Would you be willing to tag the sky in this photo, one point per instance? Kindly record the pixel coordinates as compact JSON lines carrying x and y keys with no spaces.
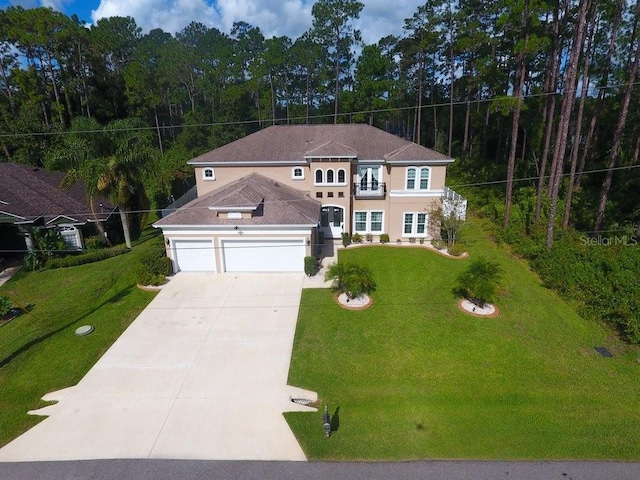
{"x":378,"y":18}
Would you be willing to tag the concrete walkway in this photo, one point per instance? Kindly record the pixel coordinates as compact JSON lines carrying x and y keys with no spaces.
{"x":200,"y":374}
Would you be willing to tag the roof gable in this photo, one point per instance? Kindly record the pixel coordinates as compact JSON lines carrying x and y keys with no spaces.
{"x":279,"y":205}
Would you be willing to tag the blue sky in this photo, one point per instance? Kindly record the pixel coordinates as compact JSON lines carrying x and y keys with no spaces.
{"x":274,"y":17}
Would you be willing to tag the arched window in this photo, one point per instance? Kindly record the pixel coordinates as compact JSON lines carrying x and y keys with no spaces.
{"x":330,"y":176}
{"x":342,"y":176}
{"x":208,"y":174}
{"x":424,"y":178}
{"x":411,"y":178}
{"x":319,"y":176}
{"x":297,"y":173}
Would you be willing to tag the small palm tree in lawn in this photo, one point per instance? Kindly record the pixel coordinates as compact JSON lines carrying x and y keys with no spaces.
{"x":479,"y":282}
{"x":350,"y":279}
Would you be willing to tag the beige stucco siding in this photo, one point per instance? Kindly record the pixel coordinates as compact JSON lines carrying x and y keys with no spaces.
{"x":227,"y":174}
{"x":397,"y":176}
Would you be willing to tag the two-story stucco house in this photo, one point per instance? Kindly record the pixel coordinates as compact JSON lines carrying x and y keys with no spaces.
{"x":265,"y":201}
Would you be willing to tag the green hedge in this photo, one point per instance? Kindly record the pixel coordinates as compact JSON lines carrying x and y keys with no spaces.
{"x":89,"y":257}
{"x":154,"y":267}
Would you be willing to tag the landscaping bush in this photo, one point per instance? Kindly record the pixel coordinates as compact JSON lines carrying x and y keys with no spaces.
{"x":83,"y":258}
{"x":457,"y":249}
{"x":310,"y":266}
{"x":356,"y":238}
{"x":369,"y":237}
{"x":96,"y":242}
{"x":5,"y":306}
{"x":384,"y":238}
{"x":351,"y":279}
{"x":479,"y":282}
{"x":154,"y":267}
{"x":346,"y":239}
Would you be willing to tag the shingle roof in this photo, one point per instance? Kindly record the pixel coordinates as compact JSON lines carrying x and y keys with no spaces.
{"x":279,"y":205}
{"x":28,"y":193}
{"x":292,"y":143}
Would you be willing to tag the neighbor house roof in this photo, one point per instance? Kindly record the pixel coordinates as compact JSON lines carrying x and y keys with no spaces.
{"x":273,"y":203}
{"x":296,"y":143}
{"x":30,"y":193}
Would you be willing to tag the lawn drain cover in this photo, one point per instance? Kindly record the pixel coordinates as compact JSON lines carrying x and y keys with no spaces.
{"x":84,"y":330}
{"x":604,"y":352}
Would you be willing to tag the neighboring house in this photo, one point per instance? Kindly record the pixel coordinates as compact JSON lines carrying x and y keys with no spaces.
{"x":265,"y":200}
{"x":32,"y":197}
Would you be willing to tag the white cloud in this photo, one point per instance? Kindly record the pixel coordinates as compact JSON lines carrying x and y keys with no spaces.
{"x":378,"y":18}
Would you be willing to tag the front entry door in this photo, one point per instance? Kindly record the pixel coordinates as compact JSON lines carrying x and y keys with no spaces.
{"x":332,"y":221}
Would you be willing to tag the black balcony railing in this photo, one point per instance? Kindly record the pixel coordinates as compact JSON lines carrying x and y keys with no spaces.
{"x":369,"y":190}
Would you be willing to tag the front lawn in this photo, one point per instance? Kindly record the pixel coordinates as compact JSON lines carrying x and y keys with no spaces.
{"x":413,"y":377}
{"x":39,"y":351}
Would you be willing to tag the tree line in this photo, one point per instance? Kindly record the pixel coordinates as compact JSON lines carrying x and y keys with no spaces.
{"x":535,"y":95}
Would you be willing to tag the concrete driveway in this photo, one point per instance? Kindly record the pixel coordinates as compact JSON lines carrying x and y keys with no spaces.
{"x":200,"y":374}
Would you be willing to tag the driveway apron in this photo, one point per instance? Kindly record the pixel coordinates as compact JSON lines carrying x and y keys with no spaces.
{"x":200,"y":374}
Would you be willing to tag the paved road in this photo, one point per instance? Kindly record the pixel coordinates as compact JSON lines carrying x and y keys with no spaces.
{"x":425,"y":470}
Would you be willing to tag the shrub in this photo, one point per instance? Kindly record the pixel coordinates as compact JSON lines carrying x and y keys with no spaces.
{"x":96,"y":242}
{"x":356,"y":238}
{"x":479,"y":282}
{"x":351,"y":279}
{"x":384,"y":238}
{"x":89,"y":257}
{"x":33,"y":262}
{"x":154,"y":267}
{"x":310,"y":265}
{"x":457,"y":250}
{"x":421,"y":240}
{"x":5,"y":306}
{"x":412,"y":239}
{"x":346,"y":239}
{"x":369,"y":237}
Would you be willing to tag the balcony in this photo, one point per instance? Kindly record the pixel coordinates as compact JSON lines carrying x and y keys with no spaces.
{"x":370,"y":190}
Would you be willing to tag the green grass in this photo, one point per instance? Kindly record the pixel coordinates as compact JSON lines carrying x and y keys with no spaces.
{"x":39,"y":352}
{"x":413,"y":377}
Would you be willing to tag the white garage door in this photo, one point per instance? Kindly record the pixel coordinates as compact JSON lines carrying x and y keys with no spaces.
{"x":194,"y":255}
{"x":263,"y":255}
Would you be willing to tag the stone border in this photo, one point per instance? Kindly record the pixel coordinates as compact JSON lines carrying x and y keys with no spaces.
{"x":495,"y":312}
{"x":336,"y":298}
{"x":150,"y":288}
{"x":404,"y":245}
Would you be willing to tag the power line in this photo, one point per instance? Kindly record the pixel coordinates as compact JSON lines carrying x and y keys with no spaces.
{"x":304,"y":118}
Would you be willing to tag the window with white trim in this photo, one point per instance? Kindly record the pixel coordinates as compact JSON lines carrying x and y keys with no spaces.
{"x":368,"y":222}
{"x":418,"y":178}
{"x":415,"y":224}
{"x":208,"y":174}
{"x":297,"y":173}
{"x":330,"y":177}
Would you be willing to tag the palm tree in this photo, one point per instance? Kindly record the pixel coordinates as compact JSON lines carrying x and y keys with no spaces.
{"x":479,"y":282}
{"x":124,"y":166}
{"x":350,"y":279}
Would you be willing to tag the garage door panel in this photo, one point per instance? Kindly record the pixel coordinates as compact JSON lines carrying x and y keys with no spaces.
{"x":263,"y":255}
{"x":194,"y":255}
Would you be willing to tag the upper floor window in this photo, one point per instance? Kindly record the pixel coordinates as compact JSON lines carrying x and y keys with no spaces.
{"x":208,"y":174}
{"x":330,"y":177}
{"x":418,"y":178}
{"x":297,"y":173}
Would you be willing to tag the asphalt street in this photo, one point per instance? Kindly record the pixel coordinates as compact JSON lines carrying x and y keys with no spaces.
{"x":248,"y":470}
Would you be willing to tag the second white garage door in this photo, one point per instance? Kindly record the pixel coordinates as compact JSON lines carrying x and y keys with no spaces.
{"x":263,"y":255}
